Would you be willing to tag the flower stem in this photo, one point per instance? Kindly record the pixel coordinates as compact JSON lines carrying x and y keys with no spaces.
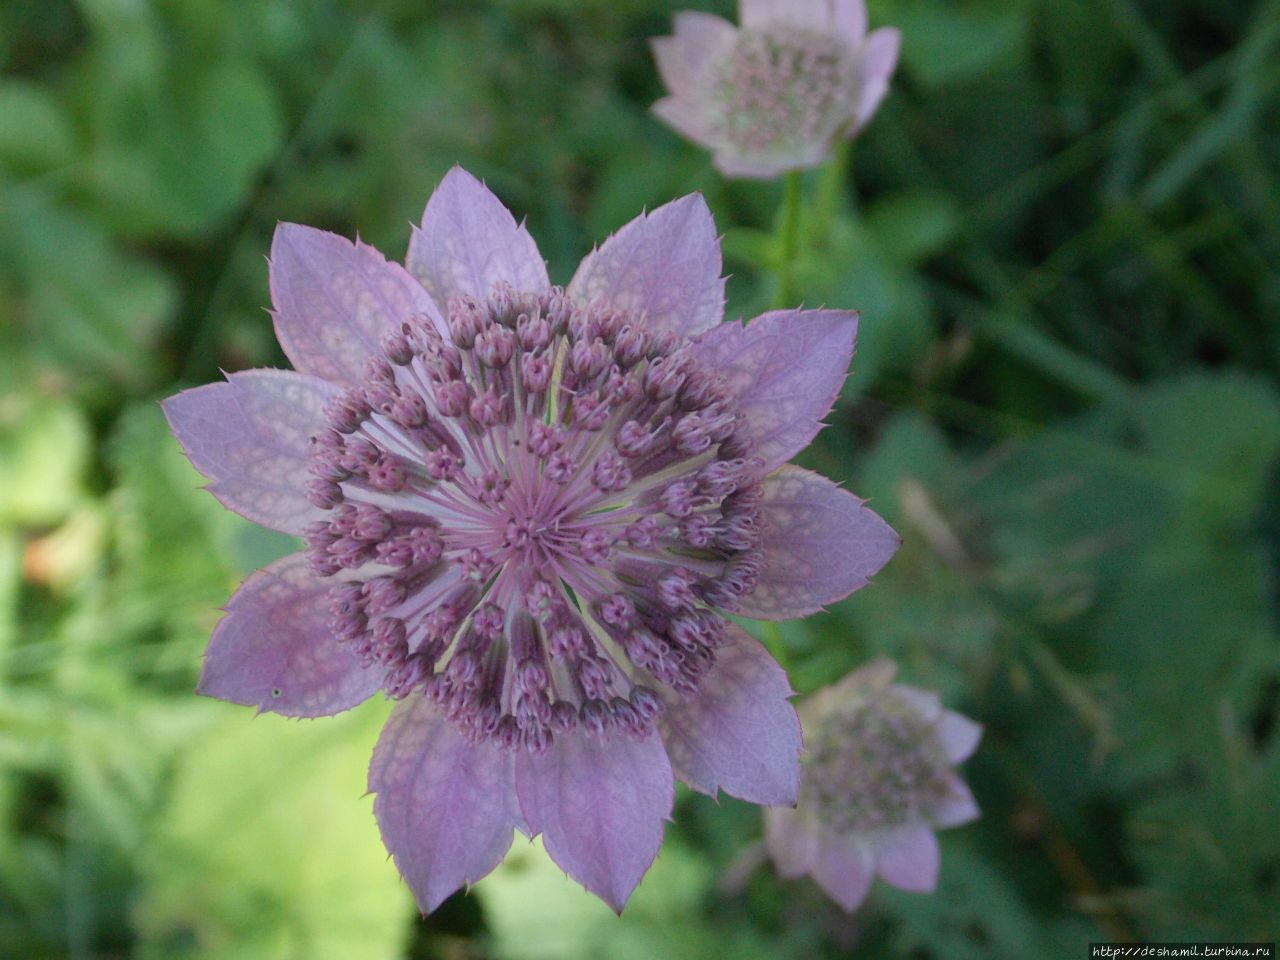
{"x":788,"y":241}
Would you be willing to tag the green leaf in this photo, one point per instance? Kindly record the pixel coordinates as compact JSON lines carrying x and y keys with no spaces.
{"x":35,"y":133}
{"x":84,"y":305}
{"x":975,"y":914}
{"x":943,"y":44}
{"x":537,"y":913}
{"x":44,"y":449}
{"x":267,"y":849}
{"x":1218,"y":436}
{"x":187,"y":153}
{"x":175,"y":541}
{"x":913,"y":225}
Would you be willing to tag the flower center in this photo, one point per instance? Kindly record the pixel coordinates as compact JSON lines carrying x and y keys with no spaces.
{"x":783,"y":88}
{"x":532,"y":513}
{"x":876,"y":766}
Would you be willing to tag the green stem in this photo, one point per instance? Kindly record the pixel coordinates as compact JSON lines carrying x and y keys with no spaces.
{"x":831,"y":195}
{"x":788,"y":241}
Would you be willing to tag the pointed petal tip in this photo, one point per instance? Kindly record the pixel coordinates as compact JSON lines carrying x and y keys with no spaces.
{"x":441,"y":802}
{"x":274,"y":650}
{"x":664,"y":264}
{"x":600,"y":806}
{"x":468,"y":241}
{"x":740,"y":734}
{"x":786,"y":368}
{"x":909,"y":858}
{"x":822,"y":544}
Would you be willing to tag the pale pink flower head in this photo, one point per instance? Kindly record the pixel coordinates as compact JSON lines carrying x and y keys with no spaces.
{"x":525,"y":509}
{"x":776,"y":93}
{"x":878,"y":778}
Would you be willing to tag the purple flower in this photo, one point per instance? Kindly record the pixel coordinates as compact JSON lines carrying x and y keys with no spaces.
{"x":774,"y":95}
{"x":524,"y":508}
{"x":877,"y":779}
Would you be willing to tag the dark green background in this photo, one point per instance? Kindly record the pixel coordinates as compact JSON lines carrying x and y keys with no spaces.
{"x":1063,"y":232}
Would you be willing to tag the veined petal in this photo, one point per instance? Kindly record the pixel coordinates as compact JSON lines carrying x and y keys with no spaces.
{"x":844,"y":867}
{"x":274,"y":649}
{"x":800,"y":156}
{"x":849,"y":19}
{"x":664,"y":265}
{"x":786,"y":367}
{"x":879,"y":57}
{"x":469,"y":241}
{"x":908,"y":857}
{"x":739,"y":733}
{"x":820,"y":16}
{"x":792,"y":839}
{"x":820,"y":544}
{"x":958,"y":735}
{"x":599,"y":805}
{"x":444,"y":804}
{"x":335,"y":299}
{"x":686,"y":59}
{"x":251,"y":437}
{"x":685,"y":117}
{"x":957,"y":807}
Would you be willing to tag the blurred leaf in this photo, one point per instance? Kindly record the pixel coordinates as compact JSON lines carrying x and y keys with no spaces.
{"x":44,"y":449}
{"x":843,"y":267}
{"x":1212,"y":848}
{"x":1218,"y":435}
{"x":537,"y":913}
{"x":912,"y":226}
{"x":943,"y":43}
{"x":266,"y":848}
{"x":83,"y":304}
{"x":181,"y":157}
{"x":974,"y":915}
{"x":174,"y":539}
{"x":34,"y":132}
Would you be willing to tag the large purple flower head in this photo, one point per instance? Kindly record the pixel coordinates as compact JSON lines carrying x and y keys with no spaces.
{"x":878,"y":779}
{"x":774,"y":95}
{"x":525,"y":509}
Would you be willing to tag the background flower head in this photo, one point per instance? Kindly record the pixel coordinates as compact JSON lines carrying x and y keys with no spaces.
{"x":878,"y":779}
{"x":525,"y":509}
{"x":775,"y":93}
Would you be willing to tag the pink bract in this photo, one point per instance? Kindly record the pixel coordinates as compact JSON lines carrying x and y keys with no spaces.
{"x":877,"y":780}
{"x":774,"y":94}
{"x":525,"y":509}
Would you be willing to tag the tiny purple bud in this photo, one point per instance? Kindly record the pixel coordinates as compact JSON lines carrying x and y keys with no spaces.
{"x":560,"y":468}
{"x":545,"y":439}
{"x":324,"y":494}
{"x":395,"y":345}
{"x":588,"y":359}
{"x":610,"y":473}
{"x":488,"y":409}
{"x":465,"y":321}
{"x":441,"y":464}
{"x":534,"y":332}
{"x":535,"y":372}
{"x":495,"y":346}
{"x":409,"y":409}
{"x":643,"y":534}
{"x":617,"y":610}
{"x":677,"y":498}
{"x":387,"y":475}
{"x":633,"y":439}
{"x":630,"y":345}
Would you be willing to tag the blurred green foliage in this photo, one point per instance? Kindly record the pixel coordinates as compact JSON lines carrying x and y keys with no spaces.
{"x":1063,"y":232}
